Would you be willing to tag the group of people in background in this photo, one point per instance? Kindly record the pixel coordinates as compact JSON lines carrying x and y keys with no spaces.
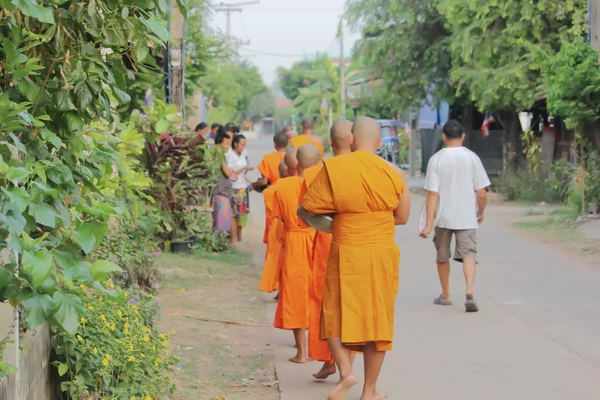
{"x":230,"y":197}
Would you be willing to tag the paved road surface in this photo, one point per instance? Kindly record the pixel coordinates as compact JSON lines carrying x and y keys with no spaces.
{"x":537,"y":335}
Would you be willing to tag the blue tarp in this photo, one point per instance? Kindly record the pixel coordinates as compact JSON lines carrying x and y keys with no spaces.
{"x":430,"y":117}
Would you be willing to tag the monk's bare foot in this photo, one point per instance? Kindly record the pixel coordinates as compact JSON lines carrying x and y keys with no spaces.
{"x":326,"y":371}
{"x":298,"y":360}
{"x":376,"y":396}
{"x":339,"y":393}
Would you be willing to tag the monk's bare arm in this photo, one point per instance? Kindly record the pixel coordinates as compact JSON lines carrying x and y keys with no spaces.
{"x":402,"y":212}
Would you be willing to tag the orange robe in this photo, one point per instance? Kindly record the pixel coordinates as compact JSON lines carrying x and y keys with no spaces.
{"x":269,"y":281}
{"x":269,"y":168}
{"x":292,"y":308}
{"x":303,"y":139}
{"x":362,"y":275}
{"x":317,"y":348}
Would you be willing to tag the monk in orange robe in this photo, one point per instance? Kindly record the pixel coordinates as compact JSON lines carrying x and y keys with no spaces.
{"x":269,"y":281}
{"x":339,"y":140}
{"x":269,"y":169}
{"x":292,"y":308}
{"x":308,"y":136}
{"x":367,"y":196}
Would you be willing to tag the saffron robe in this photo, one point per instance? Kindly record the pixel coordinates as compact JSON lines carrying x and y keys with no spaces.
{"x":292,"y":308}
{"x":269,"y":281}
{"x":269,"y":168}
{"x":317,"y":348}
{"x":303,"y":139}
{"x":362,"y":275}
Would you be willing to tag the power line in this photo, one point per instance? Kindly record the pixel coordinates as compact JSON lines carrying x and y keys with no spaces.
{"x":266,"y":53}
{"x":294,"y":9}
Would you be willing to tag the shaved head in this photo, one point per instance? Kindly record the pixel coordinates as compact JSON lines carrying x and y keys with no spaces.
{"x":340,"y":137}
{"x":291,"y":161}
{"x":283,"y":170}
{"x":291,"y":134}
{"x":280,"y":140}
{"x":308,"y":156}
{"x":366,"y":134}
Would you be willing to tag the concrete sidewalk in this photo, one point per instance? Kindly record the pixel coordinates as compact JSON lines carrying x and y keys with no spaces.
{"x":536,"y":336}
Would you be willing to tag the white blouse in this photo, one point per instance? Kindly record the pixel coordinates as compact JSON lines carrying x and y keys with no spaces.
{"x":236,"y":162}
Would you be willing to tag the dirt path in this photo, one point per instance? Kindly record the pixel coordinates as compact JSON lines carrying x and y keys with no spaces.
{"x":220,"y":361}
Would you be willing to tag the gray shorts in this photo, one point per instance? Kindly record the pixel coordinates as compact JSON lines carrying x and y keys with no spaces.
{"x":466,"y":244}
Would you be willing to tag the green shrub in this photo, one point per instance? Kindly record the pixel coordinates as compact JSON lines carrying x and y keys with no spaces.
{"x":522,"y":185}
{"x":116,"y":353}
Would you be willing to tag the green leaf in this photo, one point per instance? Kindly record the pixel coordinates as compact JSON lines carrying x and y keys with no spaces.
{"x":162,"y":126}
{"x":62,"y":369}
{"x":38,"y":307}
{"x":158,"y":27}
{"x":51,"y":137}
{"x":66,"y":255}
{"x":13,"y":219}
{"x":63,"y":101}
{"x":75,"y":123}
{"x":89,"y":234}
{"x":17,"y":174}
{"x":39,"y":265}
{"x":182,"y":8}
{"x":32,"y":9}
{"x":123,"y":97}
{"x":43,"y":214}
{"x":101,"y":268}
{"x":125,"y":12}
{"x":141,"y":50}
{"x":79,"y":272}
{"x":83,"y":93}
{"x":65,"y":310}
{"x":19,"y":197}
{"x":5,"y":277}
{"x":9,"y":50}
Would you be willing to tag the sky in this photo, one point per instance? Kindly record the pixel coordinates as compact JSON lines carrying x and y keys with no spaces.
{"x":282,"y":32}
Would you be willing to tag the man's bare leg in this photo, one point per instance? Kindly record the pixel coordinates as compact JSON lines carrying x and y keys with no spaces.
{"x":444,"y":273}
{"x":300,"y":338}
{"x":326,"y":371}
{"x":373,"y":363}
{"x":469,"y":266}
{"x":342,"y":358}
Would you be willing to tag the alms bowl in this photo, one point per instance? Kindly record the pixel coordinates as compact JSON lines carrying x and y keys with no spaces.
{"x":322,"y":223}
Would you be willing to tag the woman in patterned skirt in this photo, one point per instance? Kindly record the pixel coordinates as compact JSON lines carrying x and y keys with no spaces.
{"x":238,"y":162}
{"x":221,"y":196}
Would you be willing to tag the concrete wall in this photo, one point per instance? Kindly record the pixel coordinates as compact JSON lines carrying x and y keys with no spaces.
{"x":34,"y":368}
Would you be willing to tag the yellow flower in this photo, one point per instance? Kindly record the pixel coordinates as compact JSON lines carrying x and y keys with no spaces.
{"x":131,"y":358}
{"x":95,"y":350}
{"x":119,"y":313}
{"x":83,"y":287}
{"x":157,"y":361}
{"x":143,"y":355}
{"x":108,"y":357}
{"x":146,"y":339}
{"x":147,"y":329}
{"x":172,"y":332}
{"x":112,"y":326}
{"x":82,"y":320}
{"x":90,"y":308}
{"x":161,"y":336}
{"x":79,"y":338}
{"x":102,"y":317}
{"x":130,"y":347}
{"x":167,"y":352}
{"x":166,"y":343}
{"x":147,"y":398}
{"x":105,"y":362}
{"x":132,"y":397}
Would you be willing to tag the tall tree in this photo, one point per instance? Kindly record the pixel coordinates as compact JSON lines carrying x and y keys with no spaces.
{"x":497,"y":48}
{"x":299,"y":75}
{"x":404,"y":43}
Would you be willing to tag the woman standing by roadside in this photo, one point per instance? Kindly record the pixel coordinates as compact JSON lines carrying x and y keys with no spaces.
{"x":238,"y":162}
{"x":221,"y":196}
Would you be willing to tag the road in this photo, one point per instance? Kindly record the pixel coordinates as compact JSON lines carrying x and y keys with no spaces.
{"x":537,"y":335}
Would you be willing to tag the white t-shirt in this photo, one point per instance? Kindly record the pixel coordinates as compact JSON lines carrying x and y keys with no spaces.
{"x":235,"y":162}
{"x":455,"y":173}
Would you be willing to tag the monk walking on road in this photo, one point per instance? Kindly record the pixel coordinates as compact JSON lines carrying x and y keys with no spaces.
{"x":292,"y":308}
{"x":368,"y":197}
{"x":340,"y":138}
{"x":308,"y":136}
{"x":269,"y":281}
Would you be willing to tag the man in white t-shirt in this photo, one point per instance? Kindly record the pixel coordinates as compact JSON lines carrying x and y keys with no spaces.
{"x":456,"y":178}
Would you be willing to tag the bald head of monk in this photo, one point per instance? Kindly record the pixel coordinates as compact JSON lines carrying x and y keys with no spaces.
{"x":366,"y":135}
{"x":291,"y":161}
{"x":283,"y":170}
{"x":281,"y":141}
{"x":308,"y":156}
{"x":340,"y":137}
{"x":291,"y":134}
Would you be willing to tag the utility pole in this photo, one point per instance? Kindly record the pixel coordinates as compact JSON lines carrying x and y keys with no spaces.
{"x":230,"y":8}
{"x":342,"y":68}
{"x":236,"y":49}
{"x":412,"y":153}
{"x":594,"y":23}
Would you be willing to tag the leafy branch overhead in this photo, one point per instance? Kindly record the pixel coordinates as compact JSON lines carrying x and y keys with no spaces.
{"x":64,"y":69}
